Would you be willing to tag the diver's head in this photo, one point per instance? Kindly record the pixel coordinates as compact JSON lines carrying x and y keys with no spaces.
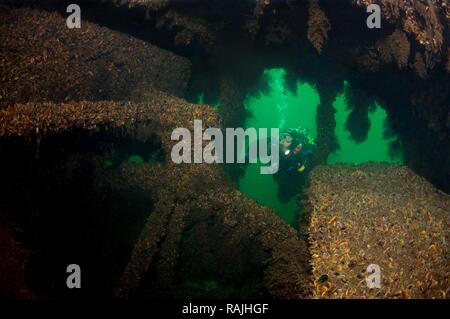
{"x":296,"y":136}
{"x":286,"y":142}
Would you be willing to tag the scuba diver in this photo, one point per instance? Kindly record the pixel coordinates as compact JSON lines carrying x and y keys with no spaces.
{"x":296,"y":150}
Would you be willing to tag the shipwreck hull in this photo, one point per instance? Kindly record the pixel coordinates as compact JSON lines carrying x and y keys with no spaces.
{"x":85,"y":123}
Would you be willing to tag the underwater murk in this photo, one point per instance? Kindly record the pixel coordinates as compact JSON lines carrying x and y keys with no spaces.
{"x":226,"y":150}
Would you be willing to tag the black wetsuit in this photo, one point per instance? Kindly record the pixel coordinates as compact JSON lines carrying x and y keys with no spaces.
{"x":288,"y":177}
{"x":291,"y":162}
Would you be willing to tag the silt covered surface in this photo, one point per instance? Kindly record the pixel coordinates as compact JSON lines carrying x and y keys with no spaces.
{"x":377,"y":214}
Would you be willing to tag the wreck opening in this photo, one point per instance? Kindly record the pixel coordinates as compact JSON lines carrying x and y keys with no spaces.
{"x":276,"y":106}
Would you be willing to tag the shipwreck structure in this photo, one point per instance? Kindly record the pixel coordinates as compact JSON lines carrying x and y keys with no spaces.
{"x":76,"y":103}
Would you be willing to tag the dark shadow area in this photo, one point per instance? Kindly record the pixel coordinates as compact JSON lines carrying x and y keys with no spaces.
{"x":66,"y":216}
{"x":227,"y":264}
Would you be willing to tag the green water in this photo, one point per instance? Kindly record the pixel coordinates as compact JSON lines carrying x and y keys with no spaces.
{"x":135,"y":159}
{"x":374,"y":149}
{"x":108,"y":163}
{"x":201,"y":100}
{"x":283,"y":109}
